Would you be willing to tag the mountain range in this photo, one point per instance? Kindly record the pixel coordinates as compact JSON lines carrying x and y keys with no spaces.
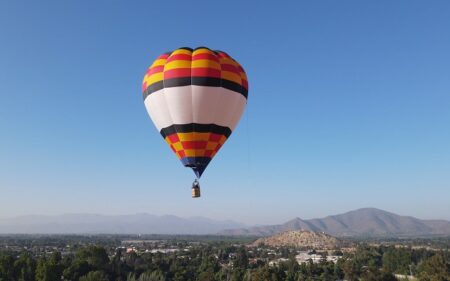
{"x":369,"y":222}
{"x":362,"y":222}
{"x":110,"y":224}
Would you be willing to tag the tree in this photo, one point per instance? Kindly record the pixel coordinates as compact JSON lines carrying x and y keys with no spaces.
{"x":338,"y":272}
{"x":25,"y":267}
{"x":267,"y":273}
{"x":374,"y":274}
{"x":397,"y":260}
{"x":237,"y":274}
{"x":241,"y":260}
{"x":223,"y":274}
{"x":327,"y":271}
{"x":96,"y":257}
{"x":131,"y":277}
{"x":94,"y":276}
{"x":435,"y":268}
{"x":7,"y":268}
{"x":152,"y":276}
{"x":48,"y":270}
{"x":351,"y":270}
{"x":77,"y":269}
{"x":206,"y":276}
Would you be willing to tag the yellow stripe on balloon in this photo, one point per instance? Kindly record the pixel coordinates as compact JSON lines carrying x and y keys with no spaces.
{"x":158,"y":62}
{"x":202,"y":51}
{"x":181,"y":51}
{"x":177,"y":64}
{"x":154,"y":78}
{"x":186,"y":136}
{"x":231,"y":76}
{"x":228,"y":61}
{"x":201,"y":136}
{"x":205,"y":63}
{"x":189,"y":152}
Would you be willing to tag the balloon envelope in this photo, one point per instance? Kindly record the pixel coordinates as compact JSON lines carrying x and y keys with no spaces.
{"x":195,"y":99}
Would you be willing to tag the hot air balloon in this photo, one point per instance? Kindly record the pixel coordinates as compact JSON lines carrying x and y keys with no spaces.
{"x":195,"y":98}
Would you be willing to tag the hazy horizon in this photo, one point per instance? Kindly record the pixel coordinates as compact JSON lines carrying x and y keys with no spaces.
{"x":247,"y":223}
{"x":348,"y":108}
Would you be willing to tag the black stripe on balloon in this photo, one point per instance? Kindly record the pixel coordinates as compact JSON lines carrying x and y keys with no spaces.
{"x":206,"y":81}
{"x":153,"y":88}
{"x":194,"y":127}
{"x":177,"y":82}
{"x":185,"y":48}
{"x":202,"y":47}
{"x":230,"y":85}
{"x":197,"y":81}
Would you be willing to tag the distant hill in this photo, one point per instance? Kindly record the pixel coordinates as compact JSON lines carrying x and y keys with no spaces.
{"x":123,"y":224}
{"x":300,"y":239}
{"x":362,"y":222}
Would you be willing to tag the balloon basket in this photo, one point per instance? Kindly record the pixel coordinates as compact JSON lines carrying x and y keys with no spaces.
{"x":196,"y":189}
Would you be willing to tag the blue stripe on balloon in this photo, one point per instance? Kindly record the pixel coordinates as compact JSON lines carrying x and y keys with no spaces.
{"x":197,"y":164}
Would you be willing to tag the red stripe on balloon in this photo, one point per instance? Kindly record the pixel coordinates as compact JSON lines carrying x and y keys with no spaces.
{"x":194,"y":144}
{"x":205,"y":57}
{"x":214,"y":137}
{"x":155,"y":69}
{"x":163,"y":56}
{"x":205,"y":72}
{"x":179,"y":57}
{"x":178,"y":72}
{"x":229,"y":67}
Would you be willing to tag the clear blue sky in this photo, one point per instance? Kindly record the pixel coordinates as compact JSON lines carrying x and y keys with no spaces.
{"x":349,"y":107}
